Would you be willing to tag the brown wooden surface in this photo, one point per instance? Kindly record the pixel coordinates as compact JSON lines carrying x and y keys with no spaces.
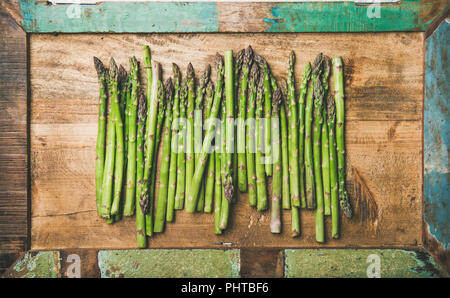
{"x":13,"y":139}
{"x":384,"y":103}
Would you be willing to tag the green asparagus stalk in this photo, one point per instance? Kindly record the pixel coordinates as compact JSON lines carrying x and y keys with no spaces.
{"x":101,"y":132}
{"x":181,"y":154}
{"x":173,"y":154}
{"x":198,"y":129}
{"x":190,"y":161}
{"x":331,"y":114}
{"x":123,"y":111}
{"x":152,"y":111}
{"x":154,"y":166}
{"x":267,"y":108}
{"x":250,"y":135}
{"x":259,"y":157}
{"x":161,"y":203}
{"x":275,"y":223}
{"x":295,"y":214}
{"x":286,"y":200}
{"x":203,"y":158}
{"x":127,"y":114}
{"x":340,"y":116}
{"x":140,"y":216}
{"x":293,"y":132}
{"x":301,"y":113}
{"x":325,"y":144}
{"x":309,"y":161}
{"x":119,"y":156}
{"x":218,"y":185}
{"x":228,"y":185}
{"x":317,"y":127}
{"x":241,"y":135}
{"x":237,"y":67}
{"x":130,"y":196}
{"x":209,"y":179}
{"x":107,"y":184}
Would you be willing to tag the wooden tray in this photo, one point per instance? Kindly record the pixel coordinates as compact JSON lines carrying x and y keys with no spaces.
{"x":384,"y":75}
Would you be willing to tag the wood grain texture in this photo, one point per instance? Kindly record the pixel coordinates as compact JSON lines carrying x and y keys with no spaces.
{"x":13,"y":136}
{"x":384,"y":103}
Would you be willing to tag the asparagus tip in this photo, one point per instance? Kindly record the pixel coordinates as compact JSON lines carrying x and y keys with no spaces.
{"x":190,"y":71}
{"x":98,"y":66}
{"x":276,"y":99}
{"x":318,"y":65}
{"x":254,"y":73}
{"x":248,"y":56}
{"x":326,"y":65}
{"x":218,"y":59}
{"x":113,"y":69}
{"x":331,"y":108}
{"x":168,"y":86}
{"x":142,"y":107}
{"x":229,"y":190}
{"x":122,"y":74}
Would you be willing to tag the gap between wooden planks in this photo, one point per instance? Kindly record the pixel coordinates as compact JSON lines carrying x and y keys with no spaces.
{"x":384,"y":102}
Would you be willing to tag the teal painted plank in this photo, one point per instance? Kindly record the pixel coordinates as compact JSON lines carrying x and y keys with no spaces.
{"x":359,"y":263}
{"x":120,"y":17}
{"x":169,"y":263}
{"x":43,"y":264}
{"x":132,"y":17}
{"x":436,"y":135}
{"x":347,"y":17}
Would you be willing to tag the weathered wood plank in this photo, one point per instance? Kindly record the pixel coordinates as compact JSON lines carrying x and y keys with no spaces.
{"x":436,"y":145}
{"x":13,"y":136}
{"x":131,"y":17}
{"x":384,"y":75}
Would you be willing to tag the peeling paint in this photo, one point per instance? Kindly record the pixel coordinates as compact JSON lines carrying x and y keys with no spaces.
{"x":169,"y":263}
{"x":37,"y":264}
{"x":436,"y":135}
{"x":354,"y":263}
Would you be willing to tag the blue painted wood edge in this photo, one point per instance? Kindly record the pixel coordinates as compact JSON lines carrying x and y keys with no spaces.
{"x":147,"y":17}
{"x":120,"y":17}
{"x":436,"y":135}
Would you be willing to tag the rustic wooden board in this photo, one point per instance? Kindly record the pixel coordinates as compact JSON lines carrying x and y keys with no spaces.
{"x":384,"y":87}
{"x":13,"y":139}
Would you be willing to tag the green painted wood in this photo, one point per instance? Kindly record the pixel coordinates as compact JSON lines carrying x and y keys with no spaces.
{"x":360,"y":263}
{"x":119,"y":17}
{"x":136,"y":17}
{"x":44,"y":264}
{"x":196,"y":263}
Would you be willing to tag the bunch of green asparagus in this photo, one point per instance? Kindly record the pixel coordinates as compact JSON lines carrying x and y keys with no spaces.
{"x":193,"y":122}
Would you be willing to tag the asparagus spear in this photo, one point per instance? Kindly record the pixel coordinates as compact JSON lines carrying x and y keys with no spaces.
{"x":295,"y":214}
{"x":267,"y":107}
{"x":100,"y":146}
{"x":127,"y":114}
{"x":309,"y":161}
{"x":203,"y":158}
{"x":260,"y":168}
{"x":209,"y":184}
{"x":159,"y":125}
{"x":152,"y":110}
{"x":331,"y":114}
{"x":340,"y":116}
{"x":161,"y":203}
{"x":190,"y":162}
{"x":198,"y":129}
{"x":317,"y":127}
{"x":275,"y":223}
{"x":286,"y":200}
{"x":181,"y":154}
{"x":130,"y":196}
{"x":173,"y":154}
{"x":242,"y":167}
{"x":301,"y":112}
{"x":218,"y":184}
{"x":238,"y":61}
{"x":123,"y":90}
{"x":140,"y":217}
{"x":250,"y":135}
{"x":229,"y":138}
{"x":325,"y":144}
{"x":107,"y":183}
{"x":293,"y":132}
{"x":119,"y":162}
